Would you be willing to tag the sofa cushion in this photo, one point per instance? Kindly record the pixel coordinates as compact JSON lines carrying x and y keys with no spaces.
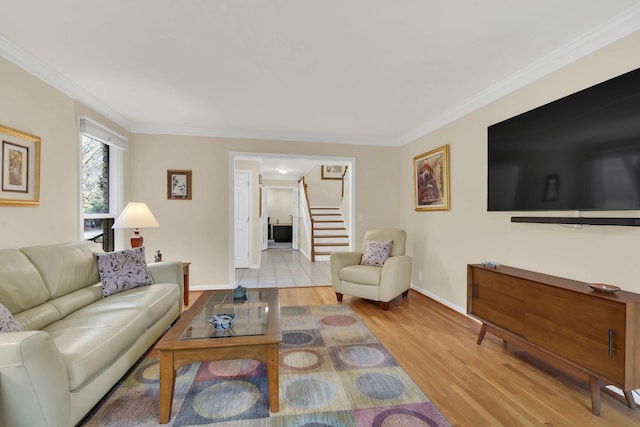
{"x":364,"y":274}
{"x":92,"y":339}
{"x":123,"y":270}
{"x":65,"y":267}
{"x":21,"y":286}
{"x":154,"y":301}
{"x":376,"y":252}
{"x":8,"y":323}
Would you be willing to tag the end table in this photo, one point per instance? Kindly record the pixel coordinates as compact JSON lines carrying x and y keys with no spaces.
{"x":185,"y":273}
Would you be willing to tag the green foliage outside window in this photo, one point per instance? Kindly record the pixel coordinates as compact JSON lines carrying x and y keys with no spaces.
{"x":95,"y":176}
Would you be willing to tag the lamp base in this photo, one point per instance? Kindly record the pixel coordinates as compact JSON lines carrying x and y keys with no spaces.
{"x":137,"y":239}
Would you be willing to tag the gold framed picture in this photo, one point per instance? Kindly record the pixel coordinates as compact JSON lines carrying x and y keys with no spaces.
{"x":431,"y":180}
{"x":20,"y":168}
{"x":178,"y":184}
{"x":333,"y":171}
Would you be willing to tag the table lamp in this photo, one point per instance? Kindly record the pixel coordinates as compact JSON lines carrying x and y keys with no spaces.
{"x":136,"y":215}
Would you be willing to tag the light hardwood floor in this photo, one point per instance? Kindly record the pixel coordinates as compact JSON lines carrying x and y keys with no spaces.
{"x":489,"y":385}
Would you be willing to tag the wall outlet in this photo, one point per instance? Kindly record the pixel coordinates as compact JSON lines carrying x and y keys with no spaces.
{"x":419,"y":275}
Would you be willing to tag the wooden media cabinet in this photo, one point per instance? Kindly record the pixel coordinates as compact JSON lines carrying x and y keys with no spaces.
{"x":592,"y":335}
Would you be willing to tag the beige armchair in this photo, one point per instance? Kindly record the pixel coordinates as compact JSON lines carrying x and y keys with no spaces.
{"x":375,"y":283}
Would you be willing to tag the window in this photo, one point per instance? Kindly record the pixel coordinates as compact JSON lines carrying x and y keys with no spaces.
{"x":101,"y":175}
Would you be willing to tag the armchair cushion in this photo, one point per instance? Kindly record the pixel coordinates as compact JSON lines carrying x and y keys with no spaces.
{"x":364,"y":274}
{"x":376,"y":252}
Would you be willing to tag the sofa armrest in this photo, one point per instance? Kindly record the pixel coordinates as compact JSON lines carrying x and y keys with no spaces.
{"x":395,"y":277}
{"x":168,"y":272}
{"x":339,"y":260}
{"x":34,"y":384}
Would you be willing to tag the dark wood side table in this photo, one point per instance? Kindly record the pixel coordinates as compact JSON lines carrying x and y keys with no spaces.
{"x":185,"y":291}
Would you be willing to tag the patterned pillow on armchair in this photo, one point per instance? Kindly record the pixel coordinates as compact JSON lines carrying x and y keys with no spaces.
{"x":376,"y":252}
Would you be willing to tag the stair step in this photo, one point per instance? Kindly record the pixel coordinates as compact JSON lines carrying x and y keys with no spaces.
{"x":328,"y":228}
{"x":329,"y":232}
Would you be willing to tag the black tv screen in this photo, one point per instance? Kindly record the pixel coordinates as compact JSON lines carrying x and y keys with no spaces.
{"x":581,"y":152}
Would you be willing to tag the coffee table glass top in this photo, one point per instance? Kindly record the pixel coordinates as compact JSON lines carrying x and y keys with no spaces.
{"x":251,"y":315}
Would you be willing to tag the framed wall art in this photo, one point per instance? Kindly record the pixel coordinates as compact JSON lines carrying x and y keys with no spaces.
{"x":20,"y":168}
{"x":333,"y":171}
{"x":431,"y":180}
{"x":179,"y":184}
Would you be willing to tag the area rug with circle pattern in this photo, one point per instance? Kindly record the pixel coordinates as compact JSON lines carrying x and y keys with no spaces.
{"x":333,"y":372}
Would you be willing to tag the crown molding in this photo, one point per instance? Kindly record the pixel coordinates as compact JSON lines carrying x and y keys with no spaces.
{"x":601,"y":36}
{"x":49,"y":75}
{"x":263,"y":135}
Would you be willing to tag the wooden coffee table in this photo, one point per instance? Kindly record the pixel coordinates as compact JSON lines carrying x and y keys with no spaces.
{"x":256,"y":334}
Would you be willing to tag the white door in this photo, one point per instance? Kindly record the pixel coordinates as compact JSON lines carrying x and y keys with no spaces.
{"x":241,"y":220}
{"x":264,"y":220}
{"x":294,"y":221}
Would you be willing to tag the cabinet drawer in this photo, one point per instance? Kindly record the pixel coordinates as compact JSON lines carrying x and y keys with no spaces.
{"x":498,"y":299}
{"x":588,"y":331}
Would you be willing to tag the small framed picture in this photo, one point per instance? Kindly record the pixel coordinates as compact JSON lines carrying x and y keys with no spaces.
{"x":431,"y":180}
{"x":333,"y":171}
{"x":20,"y":168}
{"x":179,"y":185}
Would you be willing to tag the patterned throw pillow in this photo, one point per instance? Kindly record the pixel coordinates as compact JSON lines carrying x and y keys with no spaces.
{"x":376,"y":252}
{"x":8,"y":323}
{"x":123,"y":270}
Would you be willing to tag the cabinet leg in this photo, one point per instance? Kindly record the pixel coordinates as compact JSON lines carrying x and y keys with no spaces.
{"x":594,"y":385}
{"x":483,"y":330}
{"x":628,"y":394}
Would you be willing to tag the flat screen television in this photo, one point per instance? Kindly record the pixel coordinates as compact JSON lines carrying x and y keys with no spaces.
{"x":579,"y":153}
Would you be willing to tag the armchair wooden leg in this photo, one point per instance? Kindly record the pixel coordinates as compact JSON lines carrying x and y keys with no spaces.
{"x":384,"y":305}
{"x":405,"y":294}
{"x":339,"y":296}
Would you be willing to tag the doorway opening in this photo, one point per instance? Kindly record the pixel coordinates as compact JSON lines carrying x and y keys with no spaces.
{"x":266,"y":175}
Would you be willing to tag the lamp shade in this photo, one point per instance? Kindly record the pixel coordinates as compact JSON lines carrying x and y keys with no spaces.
{"x":136,"y":215}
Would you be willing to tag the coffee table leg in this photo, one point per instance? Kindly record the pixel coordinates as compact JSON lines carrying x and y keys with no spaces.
{"x":273,"y":376}
{"x":167,"y":385}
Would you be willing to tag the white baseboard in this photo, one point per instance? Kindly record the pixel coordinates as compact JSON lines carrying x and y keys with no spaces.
{"x":210,"y":287}
{"x":439,"y":299}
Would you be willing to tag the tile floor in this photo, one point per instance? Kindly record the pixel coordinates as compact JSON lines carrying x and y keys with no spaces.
{"x":284,"y":268}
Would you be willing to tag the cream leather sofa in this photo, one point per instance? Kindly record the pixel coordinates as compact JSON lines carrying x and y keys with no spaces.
{"x":376,"y":283}
{"x":76,"y":344}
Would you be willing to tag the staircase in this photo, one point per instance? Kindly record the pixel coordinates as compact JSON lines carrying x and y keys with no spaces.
{"x":328,"y":234}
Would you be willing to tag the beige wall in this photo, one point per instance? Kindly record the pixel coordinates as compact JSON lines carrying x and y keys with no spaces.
{"x":323,"y":192}
{"x":280,"y":204}
{"x":198,"y":230}
{"x":32,"y":106}
{"x":442,"y":243}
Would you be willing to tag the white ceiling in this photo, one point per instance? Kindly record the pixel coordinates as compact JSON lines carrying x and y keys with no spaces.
{"x":348,"y":71}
